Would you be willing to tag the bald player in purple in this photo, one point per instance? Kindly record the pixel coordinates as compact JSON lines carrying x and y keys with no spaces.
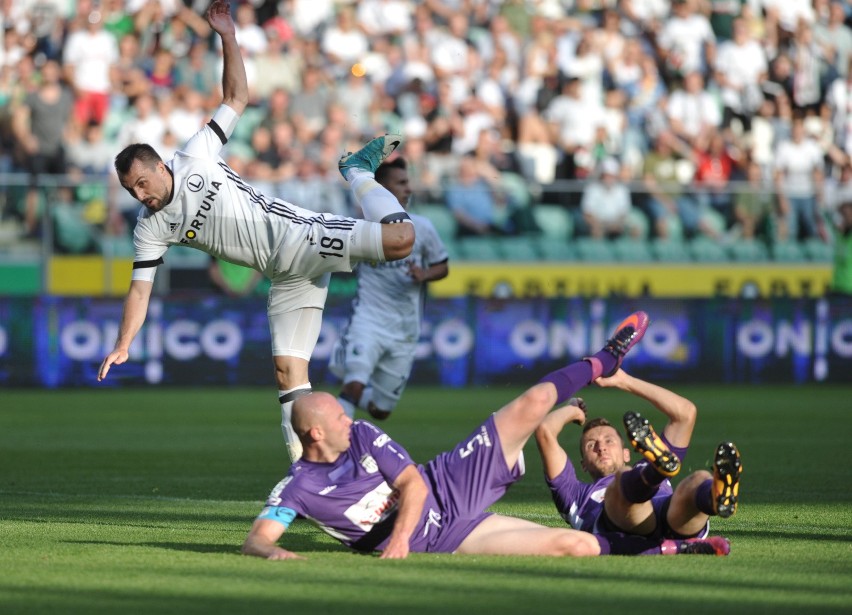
{"x":362,"y":488}
{"x":639,"y":500}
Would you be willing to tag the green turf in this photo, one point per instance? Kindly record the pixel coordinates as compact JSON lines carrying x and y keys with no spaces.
{"x":137,"y":501}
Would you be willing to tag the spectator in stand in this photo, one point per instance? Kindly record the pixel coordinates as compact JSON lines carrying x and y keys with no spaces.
{"x":343,"y":43}
{"x":606,"y":205}
{"x":308,"y":104}
{"x":809,"y":65}
{"x":715,"y":165}
{"x":573,"y":124}
{"x":839,"y":105}
{"x":384,"y":17}
{"x":686,"y":43}
{"x":39,"y":125}
{"x":146,"y":125}
{"x":90,"y":55}
{"x":798,"y":180}
{"x":754,"y":205}
{"x":741,"y":67}
{"x":476,"y":199}
{"x":835,"y":37}
{"x":693,"y":111}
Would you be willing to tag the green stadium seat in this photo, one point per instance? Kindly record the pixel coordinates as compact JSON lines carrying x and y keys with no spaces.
{"x":706,"y":250}
{"x":72,"y":234}
{"x":631,"y":250}
{"x":440,"y":215}
{"x":788,"y":252}
{"x":117,"y":246}
{"x":516,"y":188}
{"x":749,"y":251}
{"x":186,"y":257}
{"x":671,"y":250}
{"x":637,"y":221}
{"x":519,"y":249}
{"x":594,"y":250}
{"x":554,"y":221}
{"x":818,"y":251}
{"x":556,"y":250}
{"x":479,"y":249}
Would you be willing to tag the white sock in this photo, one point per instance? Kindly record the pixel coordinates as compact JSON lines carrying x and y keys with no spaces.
{"x":348,"y":407}
{"x":375,"y":200}
{"x":291,"y":439}
{"x":366,"y":398}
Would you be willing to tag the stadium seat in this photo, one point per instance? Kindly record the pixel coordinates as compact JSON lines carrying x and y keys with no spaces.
{"x":440,"y":215}
{"x":554,"y":221}
{"x":788,"y":252}
{"x":519,"y":249}
{"x":556,"y":250}
{"x":117,"y":246}
{"x":517,"y":189}
{"x":479,"y":249}
{"x":594,"y":250}
{"x":631,"y":250}
{"x":186,"y":257}
{"x":637,"y":222}
{"x":72,"y":234}
{"x":672,"y":250}
{"x":817,"y":250}
{"x":706,"y":250}
{"x":748,"y":250}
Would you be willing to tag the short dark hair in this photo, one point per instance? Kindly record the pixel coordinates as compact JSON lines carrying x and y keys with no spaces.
{"x":385,"y":168}
{"x":137,"y":151}
{"x":591,"y":424}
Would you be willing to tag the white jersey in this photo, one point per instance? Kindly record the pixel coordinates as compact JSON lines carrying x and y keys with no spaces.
{"x":214,"y":210}
{"x":388,"y":297}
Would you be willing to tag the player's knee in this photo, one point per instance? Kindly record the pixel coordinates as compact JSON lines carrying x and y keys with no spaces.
{"x":397,"y":240}
{"x":570,"y":543}
{"x":379,"y":415}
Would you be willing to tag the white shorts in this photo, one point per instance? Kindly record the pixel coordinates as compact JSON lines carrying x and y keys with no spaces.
{"x":362,"y":351}
{"x":298,"y":293}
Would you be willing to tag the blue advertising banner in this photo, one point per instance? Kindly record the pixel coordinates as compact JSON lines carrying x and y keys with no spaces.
{"x":60,"y":342}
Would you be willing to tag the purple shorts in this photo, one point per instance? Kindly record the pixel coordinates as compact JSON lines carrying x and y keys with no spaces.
{"x":466,"y":481}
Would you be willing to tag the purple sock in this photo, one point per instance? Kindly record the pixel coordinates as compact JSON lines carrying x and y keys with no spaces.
{"x":704,"y":497}
{"x":569,"y":379}
{"x":635,"y":486}
{"x":615,"y":543}
{"x":602,"y":363}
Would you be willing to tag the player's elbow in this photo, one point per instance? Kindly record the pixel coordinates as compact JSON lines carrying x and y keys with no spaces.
{"x":397,"y":240}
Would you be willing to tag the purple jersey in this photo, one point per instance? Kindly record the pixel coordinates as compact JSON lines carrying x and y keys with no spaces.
{"x":581,"y":504}
{"x":352,"y":499}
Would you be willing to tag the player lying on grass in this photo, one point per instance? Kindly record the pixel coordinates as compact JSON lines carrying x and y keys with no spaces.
{"x":363,"y":489}
{"x":197,"y":200}
{"x":375,"y":354}
{"x":638,"y":500}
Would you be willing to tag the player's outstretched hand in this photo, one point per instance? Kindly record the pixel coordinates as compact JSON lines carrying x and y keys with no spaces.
{"x":283,"y":554}
{"x":219,"y":17}
{"x":616,"y":380}
{"x":396,"y":549}
{"x":578,"y":407}
{"x":116,"y":357}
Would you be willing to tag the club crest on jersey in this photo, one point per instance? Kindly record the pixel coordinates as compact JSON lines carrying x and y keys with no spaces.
{"x":369,"y":464}
{"x":206,"y":204}
{"x":195,"y":183}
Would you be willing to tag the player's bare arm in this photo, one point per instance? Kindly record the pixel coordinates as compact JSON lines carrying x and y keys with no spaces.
{"x":234,"y":81}
{"x":553,"y":456}
{"x":681,"y":412}
{"x":412,"y":495}
{"x":132,"y":319}
{"x":262,"y":541}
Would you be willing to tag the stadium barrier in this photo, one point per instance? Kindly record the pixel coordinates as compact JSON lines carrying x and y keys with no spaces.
{"x":190,"y":341}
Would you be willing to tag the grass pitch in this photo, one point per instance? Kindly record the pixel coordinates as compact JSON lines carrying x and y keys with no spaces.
{"x":137,"y":501}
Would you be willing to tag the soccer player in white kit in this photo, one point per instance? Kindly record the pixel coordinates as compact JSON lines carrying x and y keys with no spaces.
{"x":375,"y":354}
{"x":197,"y":200}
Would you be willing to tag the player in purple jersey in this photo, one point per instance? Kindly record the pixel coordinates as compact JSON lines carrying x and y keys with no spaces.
{"x":638,"y":500}
{"x":198,"y":201}
{"x":362,"y":488}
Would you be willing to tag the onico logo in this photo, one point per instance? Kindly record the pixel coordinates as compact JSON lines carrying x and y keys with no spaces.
{"x":184,"y":340}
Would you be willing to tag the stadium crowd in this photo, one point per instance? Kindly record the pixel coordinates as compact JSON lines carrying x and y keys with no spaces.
{"x":729,"y":119}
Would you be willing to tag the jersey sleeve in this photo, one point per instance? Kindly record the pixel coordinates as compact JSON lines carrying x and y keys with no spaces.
{"x":390,"y":457}
{"x":149,"y":251}
{"x":434,"y":250}
{"x":282,"y":505}
{"x":209,"y":141}
{"x":566,"y":488}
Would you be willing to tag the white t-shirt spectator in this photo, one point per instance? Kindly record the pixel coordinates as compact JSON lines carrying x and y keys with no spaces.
{"x":797,"y":162}
{"x":578,"y":120}
{"x":379,"y":17}
{"x":608,"y":204}
{"x":694,"y":111}
{"x":684,"y":38}
{"x":742,"y":66}
{"x":91,"y":54}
